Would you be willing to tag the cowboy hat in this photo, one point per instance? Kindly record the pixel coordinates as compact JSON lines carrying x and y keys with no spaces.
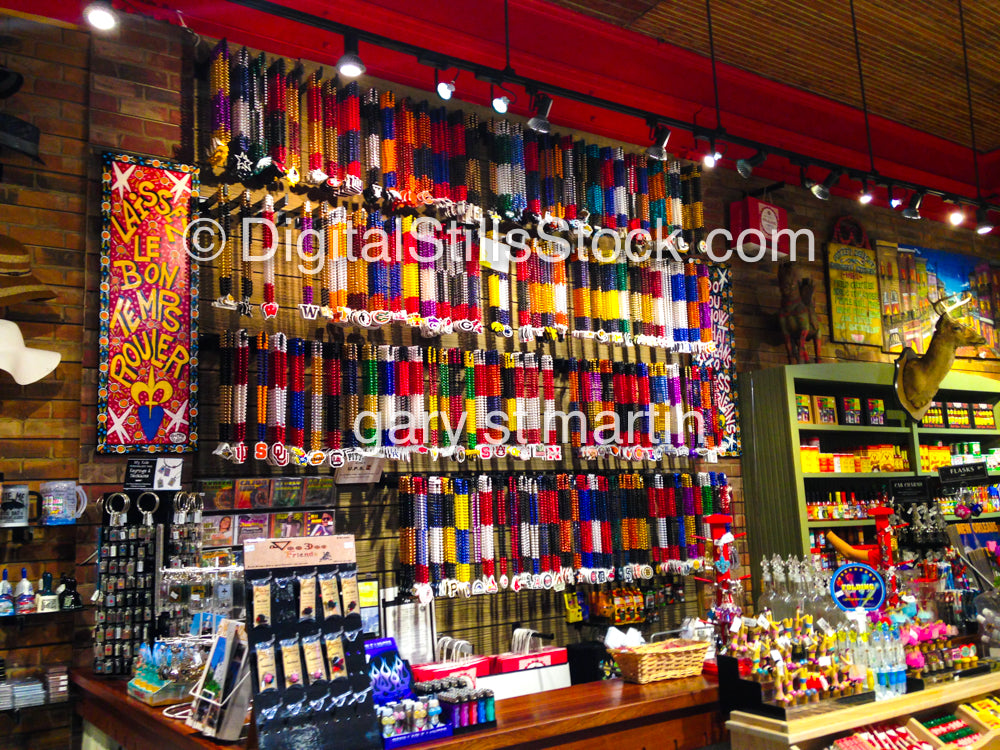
{"x":17,"y":282}
{"x":25,"y":364}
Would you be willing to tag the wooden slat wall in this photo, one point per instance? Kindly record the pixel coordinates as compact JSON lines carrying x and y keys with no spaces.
{"x":909,"y":51}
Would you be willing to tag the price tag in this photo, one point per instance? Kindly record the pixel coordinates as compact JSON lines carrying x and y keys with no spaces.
{"x":736,"y":625}
{"x":776,"y":656}
{"x":824,"y":661}
{"x":823,"y":625}
{"x":762,"y":621}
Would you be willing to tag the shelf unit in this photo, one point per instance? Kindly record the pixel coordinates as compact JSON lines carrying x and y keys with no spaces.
{"x":752,"y":732}
{"x":774,"y":485}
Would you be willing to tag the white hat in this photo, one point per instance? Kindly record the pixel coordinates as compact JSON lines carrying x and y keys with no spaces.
{"x":26,"y":365}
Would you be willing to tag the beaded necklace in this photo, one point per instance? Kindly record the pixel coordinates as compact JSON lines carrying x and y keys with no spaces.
{"x":239,"y":96}
{"x":218,"y":83}
{"x":269,"y":308}
{"x":275,"y":124}
{"x":262,"y":400}
{"x":492,"y":386}
{"x":420,"y":521}
{"x":498,"y":291}
{"x":277,"y":388}
{"x":387,"y":391}
{"x":371,"y":122}
{"x":475,"y":421}
{"x":436,"y":395}
{"x":463,"y":551}
{"x":435,"y":523}
{"x":508,"y":394}
{"x":337,"y":259}
{"x":558,"y":288}
{"x":240,"y":381}
{"x":532,"y":420}
{"x":405,"y":142}
{"x":308,"y":307}
{"x":369,"y":393}
{"x":226,"y":299}
{"x":548,"y":401}
{"x":331,"y":140}
{"x":679,"y":308}
{"x":388,"y":145}
{"x":457,"y":166}
{"x":349,"y":135}
{"x":693,"y":311}
{"x":415,"y":378}
{"x":474,"y":148}
{"x":297,"y":394}
{"x":674,"y":196}
{"x":448,"y":521}
{"x":351,"y":394}
{"x":409,"y":531}
{"x":428,"y":275}
{"x":440,"y":158}
{"x":532,"y":173}
{"x":357,"y":275}
{"x":246,"y":269}
{"x":705,"y":306}
{"x":443,"y":273}
{"x":332,"y":384}
{"x":422,"y":154}
{"x":314,"y":128}
{"x":317,"y":422}
{"x":486,"y":504}
{"x":226,"y":377}
{"x":293,"y":126}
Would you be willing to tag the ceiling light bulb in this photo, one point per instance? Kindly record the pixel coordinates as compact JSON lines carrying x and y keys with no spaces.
{"x":956,"y":217}
{"x":101,"y":16}
{"x":712,"y":158}
{"x":983,"y":223}
{"x":445,"y":89}
{"x":895,"y":202}
{"x":500,"y":104}
{"x":349,"y":65}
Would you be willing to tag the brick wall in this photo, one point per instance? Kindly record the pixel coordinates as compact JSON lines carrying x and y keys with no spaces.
{"x":43,"y":206}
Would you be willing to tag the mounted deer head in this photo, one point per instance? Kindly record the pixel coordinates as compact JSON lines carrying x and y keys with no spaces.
{"x":918,"y":378}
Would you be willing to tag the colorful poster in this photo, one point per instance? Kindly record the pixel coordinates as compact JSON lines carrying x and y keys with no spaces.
{"x":919,"y":276}
{"x":148,"y":392}
{"x":721,"y":361}
{"x":855,"y":306}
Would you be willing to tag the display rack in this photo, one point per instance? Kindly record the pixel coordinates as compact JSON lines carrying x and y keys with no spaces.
{"x":775,"y":487}
{"x":752,"y":732}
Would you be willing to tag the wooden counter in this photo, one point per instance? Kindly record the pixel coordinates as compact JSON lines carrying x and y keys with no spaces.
{"x":610,"y":715}
{"x":752,"y":732}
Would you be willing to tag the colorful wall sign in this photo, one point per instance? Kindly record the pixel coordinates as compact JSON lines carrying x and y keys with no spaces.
{"x":854,"y":299}
{"x":721,"y":359}
{"x":857,"y":585}
{"x":148,"y":392}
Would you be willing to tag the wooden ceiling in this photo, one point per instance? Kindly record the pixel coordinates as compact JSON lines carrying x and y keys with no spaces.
{"x":911,"y":52}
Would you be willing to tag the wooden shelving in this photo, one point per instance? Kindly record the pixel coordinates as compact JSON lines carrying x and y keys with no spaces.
{"x":849,"y":522}
{"x":775,"y":486}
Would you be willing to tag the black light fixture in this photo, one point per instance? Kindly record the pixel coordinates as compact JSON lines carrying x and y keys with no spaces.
{"x":745,"y":166}
{"x":541,"y":105}
{"x":712,"y":157}
{"x":866,"y":194}
{"x":659,"y":134}
{"x":912,"y":210}
{"x":349,"y":65}
{"x":445,"y":89}
{"x":983,"y":223}
{"x":822,"y":189}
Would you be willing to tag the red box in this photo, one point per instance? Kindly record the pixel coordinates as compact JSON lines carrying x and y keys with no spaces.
{"x":477,"y":666}
{"x":549,"y":656}
{"x":751,"y":213}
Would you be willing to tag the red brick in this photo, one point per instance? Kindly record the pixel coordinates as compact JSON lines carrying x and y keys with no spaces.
{"x":145,"y":109}
{"x":38,"y":236}
{"x":166,"y":96}
{"x":19,"y":215}
{"x":74,"y":111}
{"x":57,"y":125}
{"x":118,"y":51}
{"x":140,"y":74}
{"x":100,"y":100}
{"x":105,"y":136}
{"x":73,"y":92}
{"x":167,"y":132}
{"x":118,"y":122}
{"x":76,"y":56}
{"x":149,"y":146}
{"x":112,"y":84}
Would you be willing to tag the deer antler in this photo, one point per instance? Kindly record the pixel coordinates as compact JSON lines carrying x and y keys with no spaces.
{"x":942,"y":308}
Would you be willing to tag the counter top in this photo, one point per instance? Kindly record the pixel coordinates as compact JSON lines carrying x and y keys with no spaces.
{"x":592,"y":714}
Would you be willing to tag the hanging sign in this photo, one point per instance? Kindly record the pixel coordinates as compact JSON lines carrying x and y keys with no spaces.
{"x":148,"y":392}
{"x":963,"y":473}
{"x":856,"y":585}
{"x":721,"y":361}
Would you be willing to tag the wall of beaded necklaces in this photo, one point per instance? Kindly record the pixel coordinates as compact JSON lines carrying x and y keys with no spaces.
{"x":342,"y":345}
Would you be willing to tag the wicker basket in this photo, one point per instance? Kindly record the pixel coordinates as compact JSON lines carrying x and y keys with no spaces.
{"x":663,"y":660}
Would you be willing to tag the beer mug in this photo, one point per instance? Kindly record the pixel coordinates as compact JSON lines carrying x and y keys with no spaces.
{"x":63,"y":501}
{"x":15,"y":506}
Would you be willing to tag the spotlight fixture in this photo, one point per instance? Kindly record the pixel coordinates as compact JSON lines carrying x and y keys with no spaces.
{"x":101,"y":16}
{"x":541,"y":105}
{"x":956,"y":217}
{"x":445,"y":89}
{"x":500,"y":103}
{"x":713,"y":155}
{"x":866,"y":194}
{"x":983,"y":223}
{"x":745,"y":166}
{"x":894,"y":202}
{"x":912,"y":210}
{"x":349,"y":65}
{"x":822,"y":189}
{"x":659,"y":134}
